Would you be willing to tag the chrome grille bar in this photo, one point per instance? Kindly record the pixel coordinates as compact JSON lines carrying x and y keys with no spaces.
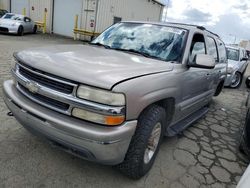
{"x":69,"y":99}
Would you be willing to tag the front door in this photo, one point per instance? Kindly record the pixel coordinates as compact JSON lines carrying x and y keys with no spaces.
{"x":27,"y":26}
{"x":195,"y":81}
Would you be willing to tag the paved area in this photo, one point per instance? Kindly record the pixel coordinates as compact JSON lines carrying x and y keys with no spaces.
{"x":205,"y":155}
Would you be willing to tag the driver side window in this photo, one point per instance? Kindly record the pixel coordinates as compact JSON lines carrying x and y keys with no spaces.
{"x":197,"y":47}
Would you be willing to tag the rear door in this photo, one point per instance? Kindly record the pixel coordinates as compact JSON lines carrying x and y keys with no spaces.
{"x":216,"y":72}
{"x":221,"y":66}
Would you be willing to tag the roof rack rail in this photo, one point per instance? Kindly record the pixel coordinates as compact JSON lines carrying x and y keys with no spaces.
{"x":197,"y":26}
{"x":213,"y":33}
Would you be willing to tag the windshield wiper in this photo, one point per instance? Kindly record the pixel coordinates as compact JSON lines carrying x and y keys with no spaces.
{"x":137,"y":52}
{"x":100,"y":44}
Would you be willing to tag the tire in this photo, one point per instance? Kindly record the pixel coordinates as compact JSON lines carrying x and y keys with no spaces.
{"x":137,"y":161}
{"x":248,"y":82}
{"x":238,"y":81}
{"x":244,"y":146}
{"x":35,"y":29}
{"x":20,"y":31}
{"x":219,"y":89}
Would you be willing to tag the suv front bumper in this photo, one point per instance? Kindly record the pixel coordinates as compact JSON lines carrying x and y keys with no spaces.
{"x":106,"y":145}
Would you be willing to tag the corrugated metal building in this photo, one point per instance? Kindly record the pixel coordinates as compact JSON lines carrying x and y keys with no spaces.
{"x":94,"y":15}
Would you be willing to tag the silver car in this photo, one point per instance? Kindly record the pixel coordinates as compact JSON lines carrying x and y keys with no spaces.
{"x":17,"y":24}
{"x":237,"y":64}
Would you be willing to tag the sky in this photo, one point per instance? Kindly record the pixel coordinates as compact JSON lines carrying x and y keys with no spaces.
{"x":228,"y":18}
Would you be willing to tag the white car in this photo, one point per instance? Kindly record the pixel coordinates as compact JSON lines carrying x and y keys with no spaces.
{"x":237,"y":64}
{"x":17,"y":24}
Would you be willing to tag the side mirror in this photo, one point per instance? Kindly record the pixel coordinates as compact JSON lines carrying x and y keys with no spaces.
{"x":93,"y":38}
{"x":203,"y":61}
{"x":244,"y":59}
{"x":26,"y":20}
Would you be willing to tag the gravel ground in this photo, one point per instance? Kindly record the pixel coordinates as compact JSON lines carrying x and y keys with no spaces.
{"x":205,"y":155}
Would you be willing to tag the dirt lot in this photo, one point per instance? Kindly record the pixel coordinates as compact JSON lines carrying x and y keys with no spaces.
{"x":205,"y":155}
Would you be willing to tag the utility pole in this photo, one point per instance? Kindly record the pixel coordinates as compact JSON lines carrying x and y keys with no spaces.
{"x":166,"y":11}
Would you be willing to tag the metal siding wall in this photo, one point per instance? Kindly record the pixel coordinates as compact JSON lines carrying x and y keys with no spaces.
{"x":38,"y":13}
{"x":140,"y":10}
{"x":64,"y":16}
{"x":5,"y":4}
{"x":17,"y":6}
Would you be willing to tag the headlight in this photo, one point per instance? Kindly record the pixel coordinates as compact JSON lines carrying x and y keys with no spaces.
{"x":230,"y":70}
{"x":98,"y":118}
{"x":101,"y":96}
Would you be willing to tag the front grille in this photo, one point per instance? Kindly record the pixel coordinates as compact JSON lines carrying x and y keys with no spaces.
{"x":45,"y":100}
{"x":3,"y":29}
{"x":52,"y":84}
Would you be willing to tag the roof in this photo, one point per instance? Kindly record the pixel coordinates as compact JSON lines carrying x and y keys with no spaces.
{"x":17,"y":15}
{"x":162,"y":2}
{"x":180,"y":25}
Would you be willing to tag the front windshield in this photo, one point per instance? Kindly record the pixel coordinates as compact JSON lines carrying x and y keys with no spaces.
{"x":160,"y":42}
{"x":12,"y":17}
{"x":233,"y":54}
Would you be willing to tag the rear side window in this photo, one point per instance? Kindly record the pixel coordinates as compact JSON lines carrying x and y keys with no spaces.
{"x":222,"y":52}
{"x":212,"y":48}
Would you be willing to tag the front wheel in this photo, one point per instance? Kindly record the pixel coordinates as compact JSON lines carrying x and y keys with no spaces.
{"x":236,"y":82}
{"x":20,"y":31}
{"x":145,"y":143}
{"x":244,"y":146}
{"x":248,"y":82}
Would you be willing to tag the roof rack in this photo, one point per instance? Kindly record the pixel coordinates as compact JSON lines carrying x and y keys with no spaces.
{"x":197,"y":26}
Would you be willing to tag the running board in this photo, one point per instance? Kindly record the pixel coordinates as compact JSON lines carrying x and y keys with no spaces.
{"x":186,"y":122}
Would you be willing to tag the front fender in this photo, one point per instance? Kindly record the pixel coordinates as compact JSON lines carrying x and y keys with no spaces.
{"x":144,"y":91}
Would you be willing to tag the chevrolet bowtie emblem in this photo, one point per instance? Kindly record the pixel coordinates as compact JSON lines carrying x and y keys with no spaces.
{"x":32,"y":87}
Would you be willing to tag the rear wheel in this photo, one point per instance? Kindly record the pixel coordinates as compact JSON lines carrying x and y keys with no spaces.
{"x":145,"y":143}
{"x":236,"y":82}
{"x":20,"y":31}
{"x":35,"y":29}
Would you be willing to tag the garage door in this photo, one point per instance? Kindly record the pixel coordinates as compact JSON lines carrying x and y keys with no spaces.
{"x":64,"y":16}
{"x":17,"y":6}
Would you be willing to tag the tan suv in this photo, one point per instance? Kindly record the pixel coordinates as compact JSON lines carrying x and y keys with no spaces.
{"x":114,"y":100}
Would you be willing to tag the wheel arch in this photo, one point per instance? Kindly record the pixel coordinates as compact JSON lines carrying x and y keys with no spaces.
{"x":219,"y":88}
{"x":169,"y":106}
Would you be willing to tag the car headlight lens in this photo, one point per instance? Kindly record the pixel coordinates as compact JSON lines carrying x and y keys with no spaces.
{"x":98,"y":118}
{"x":230,"y":70}
{"x":101,"y":96}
